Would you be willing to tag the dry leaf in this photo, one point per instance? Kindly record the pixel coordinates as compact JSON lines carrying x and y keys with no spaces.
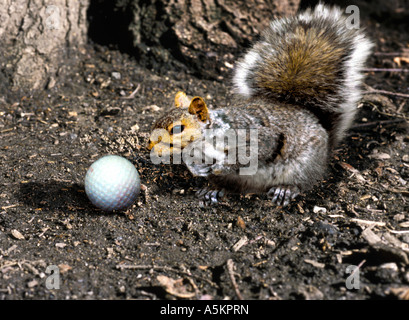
{"x":179,"y":288}
{"x":240,"y":223}
{"x":64,"y":268}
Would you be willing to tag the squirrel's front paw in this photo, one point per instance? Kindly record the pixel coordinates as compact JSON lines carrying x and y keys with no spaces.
{"x":282,"y":195}
{"x":208,"y":197}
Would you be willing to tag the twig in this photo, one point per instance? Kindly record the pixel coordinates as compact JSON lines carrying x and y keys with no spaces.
{"x":403,"y":95}
{"x":398,"y":231}
{"x":385,"y":70}
{"x":388,"y":53}
{"x":230,"y":270}
{"x":10,"y":206}
{"x":132,"y":95}
{"x":163,"y":268}
{"x":358,"y":267}
{"x":369,"y":222}
{"x":7,"y":130}
{"x":375,"y":107}
{"x":375,"y":123}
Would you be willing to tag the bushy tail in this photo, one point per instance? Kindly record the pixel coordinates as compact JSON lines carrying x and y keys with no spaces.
{"x":314,"y":59}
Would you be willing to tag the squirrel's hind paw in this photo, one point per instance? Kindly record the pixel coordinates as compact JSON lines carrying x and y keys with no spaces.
{"x":282,"y":195}
{"x":208,"y":197}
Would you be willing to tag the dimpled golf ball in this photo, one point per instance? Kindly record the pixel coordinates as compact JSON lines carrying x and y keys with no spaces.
{"x":112,"y":183}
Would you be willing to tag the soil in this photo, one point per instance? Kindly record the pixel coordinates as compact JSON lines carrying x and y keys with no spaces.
{"x":168,"y":247}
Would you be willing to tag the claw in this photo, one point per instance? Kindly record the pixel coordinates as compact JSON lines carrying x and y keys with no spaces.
{"x":209,"y":197}
{"x":282,"y":196}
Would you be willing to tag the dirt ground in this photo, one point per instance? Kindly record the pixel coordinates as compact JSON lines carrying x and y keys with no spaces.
{"x":166,"y":246}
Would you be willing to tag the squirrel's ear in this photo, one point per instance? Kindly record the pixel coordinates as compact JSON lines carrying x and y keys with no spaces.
{"x":181,"y":100}
{"x":198,"y":107}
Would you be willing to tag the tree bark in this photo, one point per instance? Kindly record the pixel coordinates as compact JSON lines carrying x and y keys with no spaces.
{"x":205,"y":35}
{"x":39,"y":40}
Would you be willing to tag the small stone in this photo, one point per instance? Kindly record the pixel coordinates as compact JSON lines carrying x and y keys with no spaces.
{"x":135,"y":128}
{"x":153,"y":108}
{"x":116,"y":75}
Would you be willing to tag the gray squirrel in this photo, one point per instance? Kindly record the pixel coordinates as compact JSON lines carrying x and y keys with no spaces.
{"x":298,"y":86}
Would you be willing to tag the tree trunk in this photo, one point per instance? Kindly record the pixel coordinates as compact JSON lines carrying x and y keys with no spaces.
{"x":39,"y":39}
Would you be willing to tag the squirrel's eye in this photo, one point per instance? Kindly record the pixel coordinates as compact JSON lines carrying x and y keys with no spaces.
{"x":177,"y":129}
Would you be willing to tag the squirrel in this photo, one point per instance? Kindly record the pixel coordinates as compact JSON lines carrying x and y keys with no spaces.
{"x":297,"y":87}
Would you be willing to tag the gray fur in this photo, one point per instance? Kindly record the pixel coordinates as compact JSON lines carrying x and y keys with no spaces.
{"x":299,"y":91}
{"x":333,"y":100}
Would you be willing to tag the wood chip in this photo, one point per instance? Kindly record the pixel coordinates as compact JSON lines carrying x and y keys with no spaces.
{"x":364,"y":197}
{"x":371,"y":237}
{"x":315,"y":263}
{"x":318,"y":209}
{"x":379,"y":156}
{"x":369,"y":222}
{"x":404,"y":224}
{"x":242,"y":242}
{"x":32,"y":283}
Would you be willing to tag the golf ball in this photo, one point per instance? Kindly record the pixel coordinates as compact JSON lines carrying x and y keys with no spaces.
{"x":112,"y":183}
